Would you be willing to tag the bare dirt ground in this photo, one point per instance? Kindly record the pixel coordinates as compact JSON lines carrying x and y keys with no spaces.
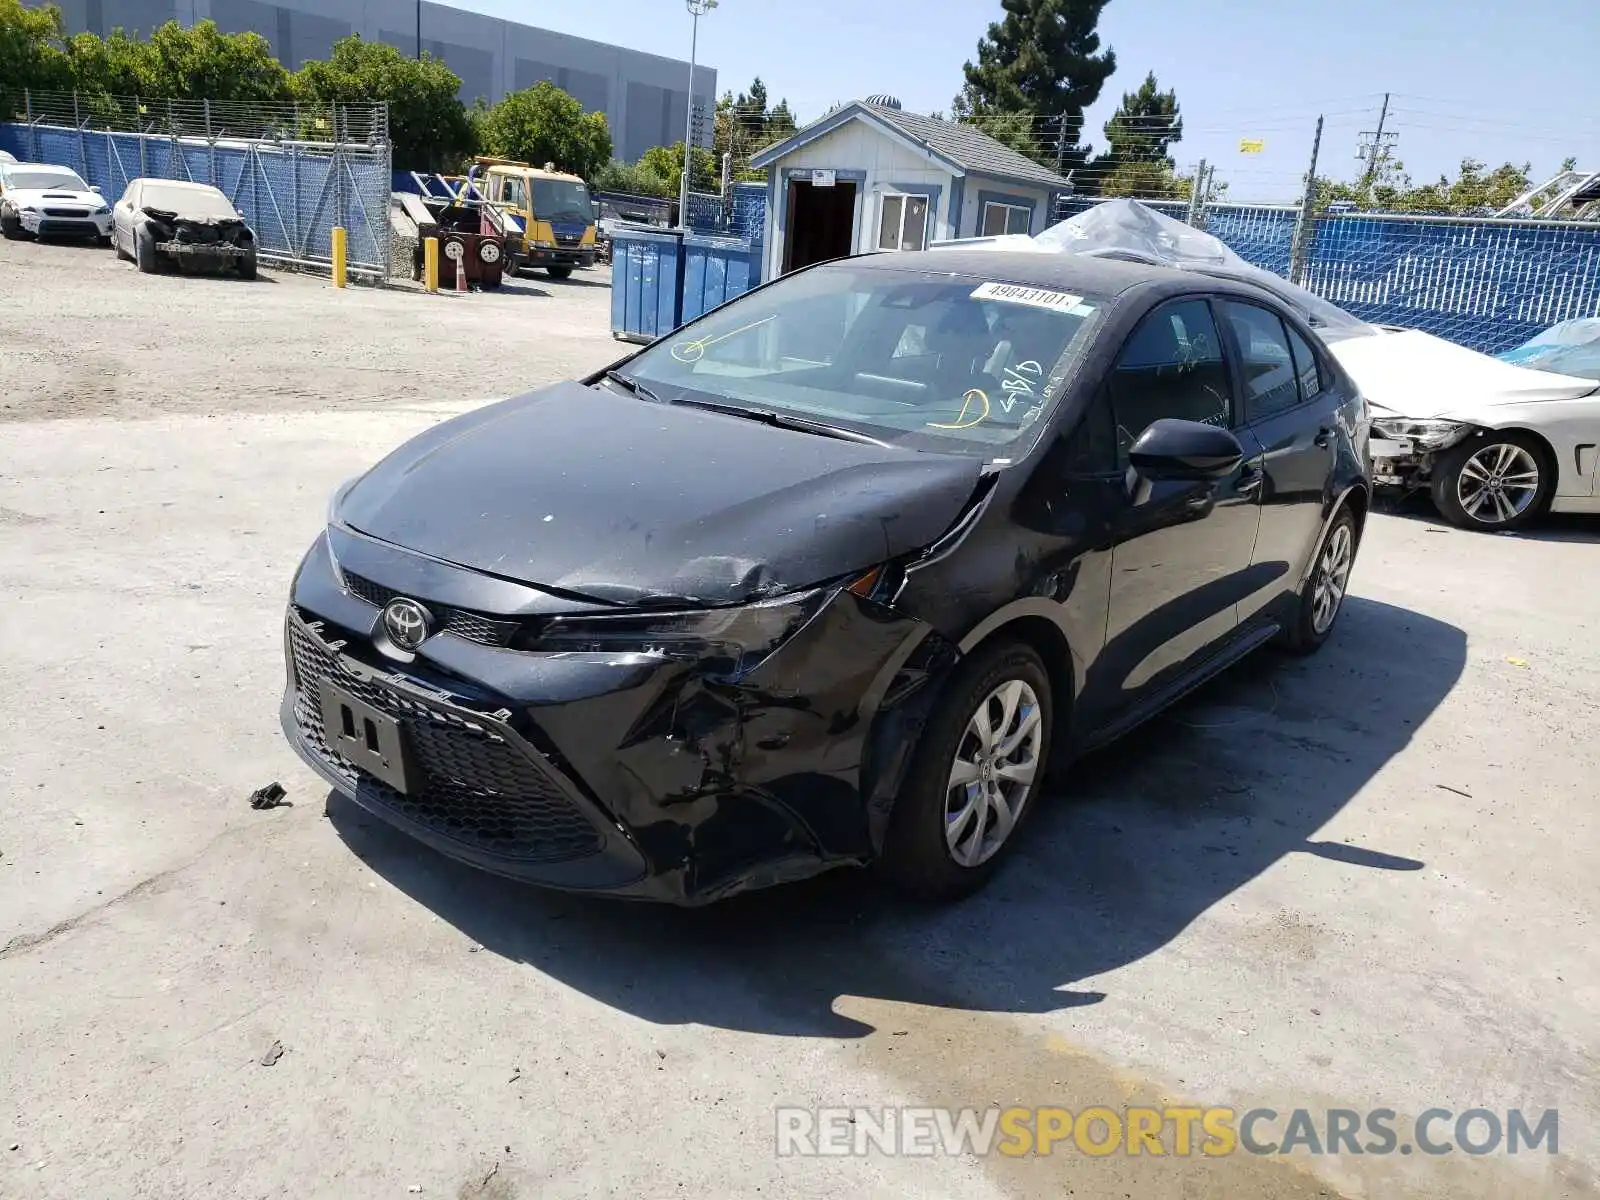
{"x":84,"y":335}
{"x":1362,"y":880}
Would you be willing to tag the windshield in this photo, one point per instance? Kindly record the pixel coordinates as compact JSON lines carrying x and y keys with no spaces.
{"x":186,"y":202}
{"x":556,"y":198}
{"x":923,"y":359}
{"x":56,"y":179}
{"x":1570,"y":348}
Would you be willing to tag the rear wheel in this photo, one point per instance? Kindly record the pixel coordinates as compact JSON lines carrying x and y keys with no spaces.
{"x":559,"y":272}
{"x":1493,"y":482}
{"x":1322,"y":597}
{"x":976,"y":774}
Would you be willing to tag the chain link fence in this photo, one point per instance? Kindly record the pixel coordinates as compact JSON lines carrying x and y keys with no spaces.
{"x":294,"y":171}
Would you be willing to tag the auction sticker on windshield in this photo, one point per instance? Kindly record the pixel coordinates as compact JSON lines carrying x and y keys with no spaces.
{"x":1015,"y":293}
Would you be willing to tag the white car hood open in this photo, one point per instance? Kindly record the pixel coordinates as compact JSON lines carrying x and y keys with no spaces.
{"x":46,"y":197}
{"x":1415,"y":374}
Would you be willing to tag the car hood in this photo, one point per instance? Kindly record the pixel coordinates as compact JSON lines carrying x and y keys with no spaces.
{"x":628,"y":501}
{"x":22,"y":197}
{"x":1415,"y":374}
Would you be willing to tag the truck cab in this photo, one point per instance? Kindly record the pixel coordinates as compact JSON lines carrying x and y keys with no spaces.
{"x":547,"y":216}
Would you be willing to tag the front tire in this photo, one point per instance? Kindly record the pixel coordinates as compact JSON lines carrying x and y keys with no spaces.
{"x":976,"y":777}
{"x":247,"y":267}
{"x":1322,"y":597}
{"x":11,"y":229}
{"x":1494,"y":482}
{"x":144,"y":252}
{"x":560,"y":272}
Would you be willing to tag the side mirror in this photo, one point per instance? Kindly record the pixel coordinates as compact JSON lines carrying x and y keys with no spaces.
{"x":95,"y":189}
{"x":1189,"y":450}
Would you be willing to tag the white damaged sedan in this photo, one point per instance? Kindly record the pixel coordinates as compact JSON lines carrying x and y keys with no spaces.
{"x":1496,"y":445}
{"x":43,"y":200}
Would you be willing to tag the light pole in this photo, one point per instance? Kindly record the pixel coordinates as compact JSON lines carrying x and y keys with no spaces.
{"x":697,"y":9}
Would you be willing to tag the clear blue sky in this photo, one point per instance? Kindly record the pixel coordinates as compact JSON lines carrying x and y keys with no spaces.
{"x":1481,"y":78}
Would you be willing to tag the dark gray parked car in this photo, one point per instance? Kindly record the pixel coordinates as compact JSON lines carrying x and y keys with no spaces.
{"x":188,"y":224}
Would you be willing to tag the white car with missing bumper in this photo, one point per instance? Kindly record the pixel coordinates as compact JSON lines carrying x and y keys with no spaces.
{"x":1496,"y":445}
{"x":46,"y":200}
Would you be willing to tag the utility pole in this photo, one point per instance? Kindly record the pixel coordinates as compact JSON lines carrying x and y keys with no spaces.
{"x":1196,"y":194}
{"x":697,"y":9}
{"x":1300,"y":247}
{"x":419,"y":30}
{"x":1376,"y":150}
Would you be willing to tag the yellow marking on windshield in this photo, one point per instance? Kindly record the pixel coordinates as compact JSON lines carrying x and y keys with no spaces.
{"x":971,"y":396}
{"x":693,"y":350}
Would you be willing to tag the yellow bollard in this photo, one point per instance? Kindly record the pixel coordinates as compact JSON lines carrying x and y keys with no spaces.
{"x":430,"y":263}
{"x":341,"y":241}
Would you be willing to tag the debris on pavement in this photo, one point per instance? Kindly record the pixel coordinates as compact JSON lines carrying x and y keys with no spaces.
{"x":273,"y":1054}
{"x":270,"y":796}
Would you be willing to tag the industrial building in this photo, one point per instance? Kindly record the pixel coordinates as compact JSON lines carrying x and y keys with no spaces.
{"x":644,"y":96}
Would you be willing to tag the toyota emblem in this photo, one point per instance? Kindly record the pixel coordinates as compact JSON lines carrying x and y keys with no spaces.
{"x":407,"y":623}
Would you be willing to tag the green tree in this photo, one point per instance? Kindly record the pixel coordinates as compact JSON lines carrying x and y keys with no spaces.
{"x":1042,"y":61}
{"x":430,"y":127}
{"x":1474,"y":192}
{"x":198,"y":63}
{"x":666,"y":163}
{"x":1145,"y":126}
{"x":543,"y":124}
{"x":633,"y":180}
{"x":31,"y":54}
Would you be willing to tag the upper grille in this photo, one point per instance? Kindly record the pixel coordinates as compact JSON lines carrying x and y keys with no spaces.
{"x":81,"y":213}
{"x":486,"y":631}
{"x":474,"y":786}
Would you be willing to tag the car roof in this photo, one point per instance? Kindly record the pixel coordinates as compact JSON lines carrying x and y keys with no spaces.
{"x":181,"y":184}
{"x":1090,"y":274}
{"x":1096,"y":276}
{"x":41,"y":166}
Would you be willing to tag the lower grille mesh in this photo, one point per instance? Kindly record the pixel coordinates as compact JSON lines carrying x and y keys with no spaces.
{"x":475,"y":787}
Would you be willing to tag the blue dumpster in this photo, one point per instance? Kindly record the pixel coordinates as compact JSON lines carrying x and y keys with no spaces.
{"x":646,"y":281}
{"x":715,"y":270}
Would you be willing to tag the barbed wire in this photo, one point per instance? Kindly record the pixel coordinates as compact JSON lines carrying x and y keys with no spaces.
{"x":218,"y":120}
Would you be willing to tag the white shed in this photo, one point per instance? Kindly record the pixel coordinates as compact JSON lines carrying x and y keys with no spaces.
{"x":871,"y":176}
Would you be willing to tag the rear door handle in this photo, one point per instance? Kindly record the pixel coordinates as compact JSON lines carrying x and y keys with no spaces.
{"x":1250,"y":481}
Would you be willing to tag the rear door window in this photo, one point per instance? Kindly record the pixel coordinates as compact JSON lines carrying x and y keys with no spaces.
{"x":1270,"y":382}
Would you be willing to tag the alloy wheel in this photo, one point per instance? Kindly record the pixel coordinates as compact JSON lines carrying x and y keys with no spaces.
{"x":1498,"y":483}
{"x":1333,"y":575}
{"x":993,"y":773}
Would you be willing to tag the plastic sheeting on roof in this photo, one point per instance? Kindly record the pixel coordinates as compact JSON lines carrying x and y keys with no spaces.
{"x":1129,"y":230}
{"x":1568,"y":348}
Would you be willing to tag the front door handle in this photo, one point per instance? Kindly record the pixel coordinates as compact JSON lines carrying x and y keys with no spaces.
{"x":1325,"y":435}
{"x":1250,"y":481}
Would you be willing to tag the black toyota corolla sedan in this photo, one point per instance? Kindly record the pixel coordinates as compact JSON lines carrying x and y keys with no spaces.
{"x":827,"y":576}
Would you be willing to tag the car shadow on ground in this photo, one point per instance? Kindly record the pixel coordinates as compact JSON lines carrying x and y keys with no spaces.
{"x":578,"y":279}
{"x":1136,"y":843}
{"x":1552,"y":527}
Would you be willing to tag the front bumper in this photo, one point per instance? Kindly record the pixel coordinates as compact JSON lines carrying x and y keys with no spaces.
{"x":623,"y":774}
{"x":559,"y":257}
{"x":219,"y":252}
{"x":43,"y":224}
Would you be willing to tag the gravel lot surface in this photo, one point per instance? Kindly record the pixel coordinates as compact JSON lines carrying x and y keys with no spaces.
{"x":84,"y":335}
{"x":1366,"y":879}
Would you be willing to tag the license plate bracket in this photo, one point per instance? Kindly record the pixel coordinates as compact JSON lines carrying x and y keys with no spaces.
{"x":366,"y":736}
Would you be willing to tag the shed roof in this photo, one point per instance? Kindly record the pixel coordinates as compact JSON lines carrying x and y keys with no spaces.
{"x":962,"y":148}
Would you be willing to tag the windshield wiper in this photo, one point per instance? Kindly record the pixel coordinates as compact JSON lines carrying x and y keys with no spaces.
{"x":786,"y":421}
{"x":628,"y":383}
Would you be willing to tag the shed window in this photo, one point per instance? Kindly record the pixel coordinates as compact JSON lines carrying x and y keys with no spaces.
{"x":904,"y":223}
{"x":1004,"y":218}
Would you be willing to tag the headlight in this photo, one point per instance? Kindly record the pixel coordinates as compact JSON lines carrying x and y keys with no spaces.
{"x":542,"y":245}
{"x":728,"y":641}
{"x":1426,"y":434}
